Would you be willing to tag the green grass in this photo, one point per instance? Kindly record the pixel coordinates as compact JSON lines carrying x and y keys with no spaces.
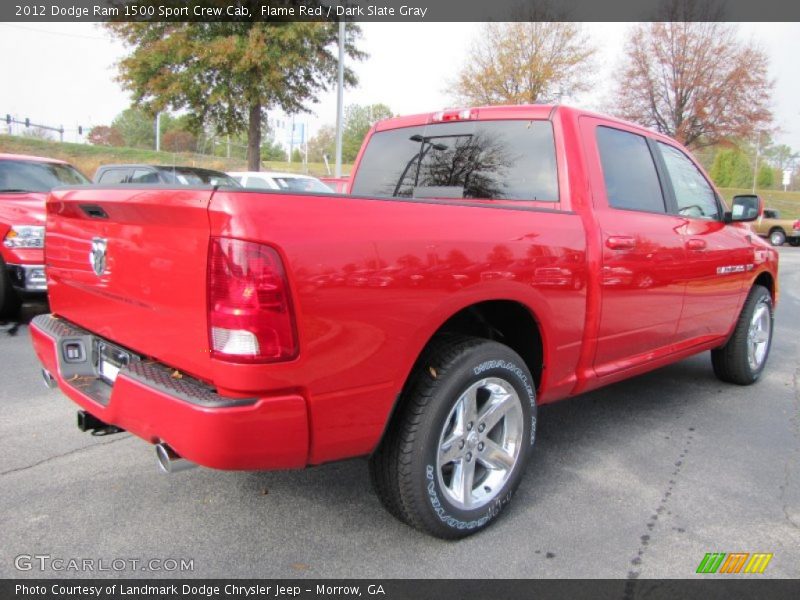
{"x":788,"y":203}
{"x":87,"y":157}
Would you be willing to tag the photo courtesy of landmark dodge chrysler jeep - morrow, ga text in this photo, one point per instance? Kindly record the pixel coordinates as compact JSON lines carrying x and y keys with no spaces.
{"x":486,"y":262}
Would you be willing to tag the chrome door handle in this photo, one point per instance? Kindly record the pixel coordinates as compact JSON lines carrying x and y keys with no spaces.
{"x":621,"y":242}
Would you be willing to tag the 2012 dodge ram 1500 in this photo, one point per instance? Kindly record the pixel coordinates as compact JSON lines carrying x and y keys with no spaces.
{"x":488,"y":261}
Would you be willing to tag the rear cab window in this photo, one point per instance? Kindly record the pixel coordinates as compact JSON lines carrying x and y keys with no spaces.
{"x":491,"y":160}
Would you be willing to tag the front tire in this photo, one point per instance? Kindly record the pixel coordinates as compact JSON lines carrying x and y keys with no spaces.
{"x":777,"y":237}
{"x":457,"y":449}
{"x":744,"y":357}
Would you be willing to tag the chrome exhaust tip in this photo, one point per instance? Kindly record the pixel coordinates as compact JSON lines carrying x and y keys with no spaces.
{"x":49,"y":381}
{"x":170,"y":461}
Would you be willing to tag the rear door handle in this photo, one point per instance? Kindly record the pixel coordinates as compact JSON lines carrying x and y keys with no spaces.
{"x":620,"y":242}
{"x":696,"y":244}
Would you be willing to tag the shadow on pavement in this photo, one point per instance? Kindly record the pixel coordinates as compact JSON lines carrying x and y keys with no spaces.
{"x":10,"y":326}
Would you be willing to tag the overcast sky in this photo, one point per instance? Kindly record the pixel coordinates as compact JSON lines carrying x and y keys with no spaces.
{"x":63,"y":73}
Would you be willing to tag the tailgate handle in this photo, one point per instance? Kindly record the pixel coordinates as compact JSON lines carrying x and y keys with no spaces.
{"x":620,"y":242}
{"x":94,"y":211}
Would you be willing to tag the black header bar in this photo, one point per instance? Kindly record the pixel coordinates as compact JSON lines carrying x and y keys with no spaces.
{"x":399,"y":10}
{"x":705,"y":587}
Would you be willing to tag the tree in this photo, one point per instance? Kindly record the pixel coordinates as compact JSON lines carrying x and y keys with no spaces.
{"x":731,"y":168}
{"x":228,"y":74}
{"x":694,"y":81}
{"x":137,"y":128}
{"x":272,"y":150}
{"x":177,"y":140}
{"x":324,"y":142}
{"x":357,"y":122}
{"x":766,"y":176}
{"x":781,"y":156}
{"x":103,"y":135}
{"x":524,"y":63}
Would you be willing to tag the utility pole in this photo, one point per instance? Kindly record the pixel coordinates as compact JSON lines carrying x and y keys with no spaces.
{"x":158,"y":131}
{"x":755,"y":167}
{"x":291,"y":141}
{"x":340,"y":101}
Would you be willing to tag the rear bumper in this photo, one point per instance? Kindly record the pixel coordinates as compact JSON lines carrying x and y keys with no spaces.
{"x":155,"y":403}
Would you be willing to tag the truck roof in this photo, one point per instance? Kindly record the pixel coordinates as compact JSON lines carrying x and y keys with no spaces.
{"x":516,"y":111}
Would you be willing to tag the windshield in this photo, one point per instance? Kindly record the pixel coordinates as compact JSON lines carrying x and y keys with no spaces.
{"x":301,"y":184}
{"x":468,"y":159}
{"x":187,"y":176}
{"x":34,"y":176}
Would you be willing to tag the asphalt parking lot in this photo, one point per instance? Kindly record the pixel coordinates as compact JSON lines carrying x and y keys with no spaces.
{"x":639,"y":479}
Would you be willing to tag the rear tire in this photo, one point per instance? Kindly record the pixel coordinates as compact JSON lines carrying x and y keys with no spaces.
{"x":744,"y":357}
{"x":777,"y":237}
{"x":795,"y":241}
{"x":456,"y":450}
{"x":9,"y":299}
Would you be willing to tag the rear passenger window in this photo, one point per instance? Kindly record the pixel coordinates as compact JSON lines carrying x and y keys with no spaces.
{"x":629,"y":171}
{"x":113,"y":176}
{"x":693,"y":194}
{"x":144,"y":176}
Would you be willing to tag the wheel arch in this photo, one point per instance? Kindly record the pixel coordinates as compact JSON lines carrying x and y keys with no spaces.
{"x":766,"y":279}
{"x":503,"y":319}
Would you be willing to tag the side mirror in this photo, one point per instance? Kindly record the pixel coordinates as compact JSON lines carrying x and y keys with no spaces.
{"x":744,"y":208}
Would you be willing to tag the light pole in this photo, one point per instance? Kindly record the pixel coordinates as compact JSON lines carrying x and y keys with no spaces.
{"x":340,"y":102}
{"x":755,"y":166}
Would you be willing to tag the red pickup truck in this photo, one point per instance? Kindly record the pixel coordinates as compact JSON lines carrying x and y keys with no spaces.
{"x":488,"y":261}
{"x":24,"y":184}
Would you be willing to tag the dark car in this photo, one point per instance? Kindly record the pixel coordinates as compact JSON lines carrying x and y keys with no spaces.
{"x":157,"y":174}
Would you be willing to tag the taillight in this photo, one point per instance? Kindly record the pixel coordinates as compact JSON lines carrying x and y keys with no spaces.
{"x":796,"y":224}
{"x":250,"y":312}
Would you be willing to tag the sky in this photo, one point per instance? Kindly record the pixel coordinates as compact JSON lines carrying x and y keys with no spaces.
{"x":63,"y":73}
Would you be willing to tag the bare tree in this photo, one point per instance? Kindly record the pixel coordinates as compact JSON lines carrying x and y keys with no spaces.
{"x":524,"y":63}
{"x":694,"y":81}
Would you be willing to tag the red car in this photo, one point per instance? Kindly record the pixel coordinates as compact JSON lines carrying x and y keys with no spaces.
{"x":24,"y":184}
{"x":337,"y":184}
{"x":486,"y":262}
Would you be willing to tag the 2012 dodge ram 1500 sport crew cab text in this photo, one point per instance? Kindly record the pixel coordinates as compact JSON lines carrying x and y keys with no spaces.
{"x":488,"y":261}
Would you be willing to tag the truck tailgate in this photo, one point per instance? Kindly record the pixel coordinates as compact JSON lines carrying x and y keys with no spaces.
{"x":130,"y":265}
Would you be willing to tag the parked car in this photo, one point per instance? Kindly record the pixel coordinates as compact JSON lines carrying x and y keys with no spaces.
{"x":337,"y":184}
{"x":489,"y":261}
{"x":160,"y":174}
{"x":770,"y":225}
{"x":286,"y":182}
{"x":25,"y":182}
